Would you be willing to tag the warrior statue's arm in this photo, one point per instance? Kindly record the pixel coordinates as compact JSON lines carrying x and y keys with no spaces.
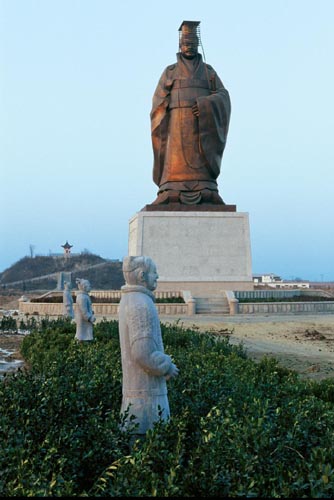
{"x":152,"y":361}
{"x":84,"y":306}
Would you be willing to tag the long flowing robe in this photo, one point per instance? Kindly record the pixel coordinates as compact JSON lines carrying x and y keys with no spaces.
{"x":144,"y":363}
{"x":68,"y":303}
{"x":83,"y":316}
{"x":188,"y":149}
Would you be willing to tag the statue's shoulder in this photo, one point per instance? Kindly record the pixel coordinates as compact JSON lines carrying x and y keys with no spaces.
{"x":209,"y":67}
{"x":171,"y":67}
{"x":138,"y":297}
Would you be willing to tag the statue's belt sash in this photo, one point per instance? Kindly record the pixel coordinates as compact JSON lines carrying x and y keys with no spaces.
{"x":184,"y":92}
{"x":185,"y":83}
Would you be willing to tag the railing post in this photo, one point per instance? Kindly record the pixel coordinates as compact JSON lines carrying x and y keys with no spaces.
{"x":191,"y":306}
{"x":234,"y":306}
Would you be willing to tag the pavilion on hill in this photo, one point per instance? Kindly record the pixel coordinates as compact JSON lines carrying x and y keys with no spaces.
{"x":67,"y":249}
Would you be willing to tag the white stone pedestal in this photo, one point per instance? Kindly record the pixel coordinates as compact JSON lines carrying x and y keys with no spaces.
{"x":203,"y":252}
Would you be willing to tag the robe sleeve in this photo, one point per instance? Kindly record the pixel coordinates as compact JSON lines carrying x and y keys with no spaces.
{"x":214,"y":118}
{"x":85,"y":307}
{"x":152,"y":361}
{"x":159,"y":123}
{"x":144,"y":348}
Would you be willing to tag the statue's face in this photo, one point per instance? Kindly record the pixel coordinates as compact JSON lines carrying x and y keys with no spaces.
{"x":189,"y":48}
{"x":151,"y":277}
{"x":86,"y":286}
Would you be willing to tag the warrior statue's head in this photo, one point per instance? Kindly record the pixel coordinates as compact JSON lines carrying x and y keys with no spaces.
{"x":83,"y":285}
{"x":140,"y":270}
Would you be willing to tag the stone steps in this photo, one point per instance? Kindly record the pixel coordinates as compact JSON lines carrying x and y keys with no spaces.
{"x":212,"y":304}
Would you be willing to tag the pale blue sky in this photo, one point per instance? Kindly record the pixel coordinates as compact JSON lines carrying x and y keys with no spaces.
{"x":76,"y":85}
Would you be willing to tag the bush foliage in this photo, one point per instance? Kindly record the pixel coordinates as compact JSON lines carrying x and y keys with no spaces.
{"x":237,"y":429}
{"x":105,"y":300}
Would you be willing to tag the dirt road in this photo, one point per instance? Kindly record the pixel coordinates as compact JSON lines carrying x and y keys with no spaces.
{"x":304,"y":343}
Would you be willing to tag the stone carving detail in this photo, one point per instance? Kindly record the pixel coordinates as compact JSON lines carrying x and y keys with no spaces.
{"x":84,"y":315}
{"x":145,"y":366}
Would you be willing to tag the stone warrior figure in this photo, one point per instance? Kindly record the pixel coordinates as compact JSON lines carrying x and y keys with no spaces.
{"x":84,"y":316}
{"x":145,"y":366}
{"x":67,"y":301}
{"x":189,"y":124}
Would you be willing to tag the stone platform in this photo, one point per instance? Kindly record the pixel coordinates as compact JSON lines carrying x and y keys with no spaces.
{"x":200,"y":251}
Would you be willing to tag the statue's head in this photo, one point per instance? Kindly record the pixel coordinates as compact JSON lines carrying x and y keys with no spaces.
{"x":140,"y":270}
{"x":67,"y":285}
{"x":83,"y":285}
{"x":189,"y":38}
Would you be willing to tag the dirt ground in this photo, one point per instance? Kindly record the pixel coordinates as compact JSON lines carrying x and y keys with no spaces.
{"x":11,"y":343}
{"x":304,"y":343}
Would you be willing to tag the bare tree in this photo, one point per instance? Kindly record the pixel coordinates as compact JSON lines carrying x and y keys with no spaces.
{"x":31,"y":249}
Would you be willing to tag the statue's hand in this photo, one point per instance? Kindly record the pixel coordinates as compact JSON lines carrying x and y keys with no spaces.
{"x":172,"y":372}
{"x":195,"y":109}
{"x":92,"y":319}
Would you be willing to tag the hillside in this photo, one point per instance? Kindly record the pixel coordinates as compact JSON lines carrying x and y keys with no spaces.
{"x":41,"y":272}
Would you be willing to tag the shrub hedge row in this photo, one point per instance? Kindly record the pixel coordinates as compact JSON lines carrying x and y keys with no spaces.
{"x":104,"y":300}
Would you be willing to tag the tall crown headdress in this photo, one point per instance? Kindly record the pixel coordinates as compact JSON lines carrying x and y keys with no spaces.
{"x":189,"y":30}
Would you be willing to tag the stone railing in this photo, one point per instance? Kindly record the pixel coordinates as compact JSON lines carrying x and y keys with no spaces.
{"x":232,"y":302}
{"x":116,"y":294}
{"x":41,"y":308}
{"x":281,"y":294}
{"x":189,"y":307}
{"x":106,"y":294}
{"x":285,"y":307}
{"x":111,"y":309}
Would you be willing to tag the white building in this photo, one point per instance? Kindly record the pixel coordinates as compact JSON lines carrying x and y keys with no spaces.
{"x":274,"y":281}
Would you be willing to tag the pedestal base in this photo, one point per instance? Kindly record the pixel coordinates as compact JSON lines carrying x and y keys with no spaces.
{"x":203,"y":252}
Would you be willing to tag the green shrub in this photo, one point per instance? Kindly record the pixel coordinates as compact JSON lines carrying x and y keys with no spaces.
{"x":8,"y":324}
{"x":170,"y":300}
{"x":237,"y":429}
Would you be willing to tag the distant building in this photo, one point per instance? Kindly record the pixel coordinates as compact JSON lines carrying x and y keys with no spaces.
{"x":272,"y":280}
{"x":266,"y":278}
{"x":67,"y":249}
{"x":293,"y":284}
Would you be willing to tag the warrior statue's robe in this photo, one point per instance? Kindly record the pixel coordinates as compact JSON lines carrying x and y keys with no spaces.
{"x":84,"y":316}
{"x":188,"y":149}
{"x":144,"y":363}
